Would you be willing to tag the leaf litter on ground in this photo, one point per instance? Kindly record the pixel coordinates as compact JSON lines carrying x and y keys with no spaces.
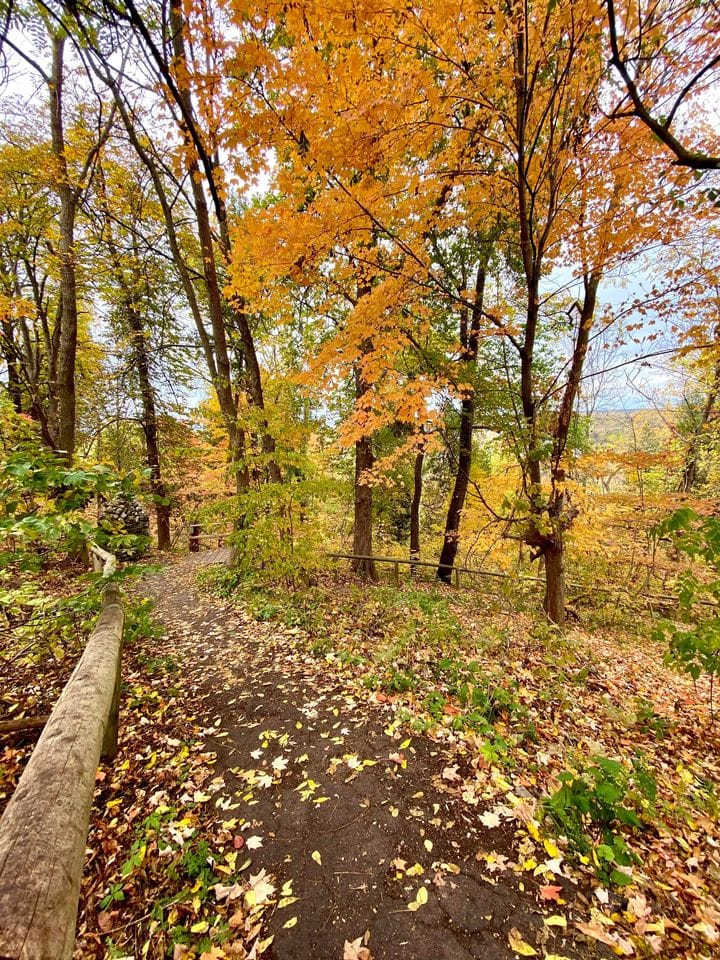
{"x":177,"y":837}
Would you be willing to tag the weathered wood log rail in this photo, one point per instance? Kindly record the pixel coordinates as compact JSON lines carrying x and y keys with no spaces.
{"x":456,"y":571}
{"x":44,"y":828}
{"x":411,"y":562}
{"x":476,"y":572}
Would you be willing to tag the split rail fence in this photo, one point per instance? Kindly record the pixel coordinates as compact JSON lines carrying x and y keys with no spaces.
{"x":44,"y":829}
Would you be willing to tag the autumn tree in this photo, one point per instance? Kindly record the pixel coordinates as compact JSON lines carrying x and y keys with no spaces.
{"x":28,"y":332}
{"x":406,"y":125}
{"x":667,"y":57}
{"x":133,"y":267}
{"x":72,"y":173}
{"x":188,"y":75}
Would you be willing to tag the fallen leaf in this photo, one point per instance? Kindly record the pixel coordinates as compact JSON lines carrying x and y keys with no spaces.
{"x":550,"y":892}
{"x":260,"y":889}
{"x":229,"y":893}
{"x":421,"y":898}
{"x":621,"y":946}
{"x":519,"y":945}
{"x":490,"y":819}
{"x":106,"y":920}
{"x":356,"y":950}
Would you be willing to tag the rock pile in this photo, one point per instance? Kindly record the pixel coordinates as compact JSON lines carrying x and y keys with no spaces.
{"x":125,"y":515}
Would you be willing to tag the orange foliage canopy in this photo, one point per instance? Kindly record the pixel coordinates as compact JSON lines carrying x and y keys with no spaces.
{"x":381,"y":128}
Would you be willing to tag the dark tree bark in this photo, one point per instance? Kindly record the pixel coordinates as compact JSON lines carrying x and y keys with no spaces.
{"x":560,"y":510}
{"x":216,"y":301}
{"x":363,"y":508}
{"x":554,"y":559}
{"x":415,"y":506}
{"x":469,"y":339}
{"x":10,"y":356}
{"x":150,"y":426}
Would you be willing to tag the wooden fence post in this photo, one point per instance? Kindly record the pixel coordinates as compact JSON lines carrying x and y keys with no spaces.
{"x":194,"y":541}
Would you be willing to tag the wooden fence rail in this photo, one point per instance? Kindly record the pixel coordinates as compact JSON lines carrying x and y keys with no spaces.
{"x":410,"y":562}
{"x":44,"y":828}
{"x":455,"y":571}
{"x":662,"y":599}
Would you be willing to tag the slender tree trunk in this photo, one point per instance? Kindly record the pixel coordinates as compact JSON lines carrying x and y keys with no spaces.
{"x":363,"y":514}
{"x":64,"y":385}
{"x":469,"y":339}
{"x":150,"y":427}
{"x":415,"y":506}
{"x":560,"y":510}
{"x":451,"y":538}
{"x":255,"y":389}
{"x":9,"y":354}
{"x":362,"y":530}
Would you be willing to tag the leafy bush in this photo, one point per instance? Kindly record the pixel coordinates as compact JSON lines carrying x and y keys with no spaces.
{"x":694,"y":648}
{"x":592,"y":805}
{"x":278,"y":539}
{"x":43,"y":503}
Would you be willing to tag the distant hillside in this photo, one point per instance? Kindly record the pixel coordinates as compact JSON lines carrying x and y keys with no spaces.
{"x":626,"y":430}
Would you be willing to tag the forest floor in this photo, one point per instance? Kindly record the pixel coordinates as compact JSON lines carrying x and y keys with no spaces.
{"x":284,"y":791}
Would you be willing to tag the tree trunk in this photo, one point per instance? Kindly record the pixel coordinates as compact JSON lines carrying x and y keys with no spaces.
{"x":363,"y":515}
{"x":362,"y":530}
{"x":216,"y":301}
{"x":451,"y":540}
{"x":9,"y":354}
{"x":692,"y":457}
{"x":469,"y":340}
{"x":415,"y":507}
{"x":150,"y":427}
{"x":255,"y":389}
{"x":554,"y":603}
{"x":64,"y":386}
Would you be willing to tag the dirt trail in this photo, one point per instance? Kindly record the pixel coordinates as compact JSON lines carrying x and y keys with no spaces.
{"x":345,"y":809}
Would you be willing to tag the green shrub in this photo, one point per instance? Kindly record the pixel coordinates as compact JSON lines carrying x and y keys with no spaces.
{"x":592,"y":806}
{"x":694,"y":646}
